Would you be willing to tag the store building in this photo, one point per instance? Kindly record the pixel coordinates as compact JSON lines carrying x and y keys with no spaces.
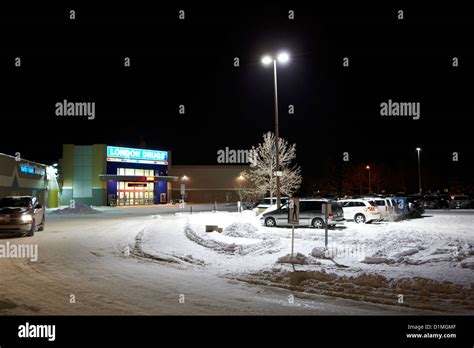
{"x":21,"y":177}
{"x":110,"y":175}
{"x":208,"y":183}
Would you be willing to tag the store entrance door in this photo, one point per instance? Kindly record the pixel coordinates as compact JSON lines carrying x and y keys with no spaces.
{"x":135,"y":193}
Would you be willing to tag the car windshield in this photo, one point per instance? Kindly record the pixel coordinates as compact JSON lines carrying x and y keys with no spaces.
{"x":372,"y":203}
{"x":15,"y":202}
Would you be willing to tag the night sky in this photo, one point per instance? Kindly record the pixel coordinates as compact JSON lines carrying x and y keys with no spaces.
{"x":190,"y":62}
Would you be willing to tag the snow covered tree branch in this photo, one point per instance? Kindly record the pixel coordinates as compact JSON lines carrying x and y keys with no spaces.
{"x":263,"y":166}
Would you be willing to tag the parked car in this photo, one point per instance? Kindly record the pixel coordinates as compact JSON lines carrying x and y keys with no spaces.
{"x":430,"y":202}
{"x":360,"y":210}
{"x":436,"y":201}
{"x":310,"y":214}
{"x":460,"y":202}
{"x":21,"y":214}
{"x":443,"y":201}
{"x":415,"y":206}
{"x":266,"y":203}
{"x":387,"y":206}
{"x":402,"y":205}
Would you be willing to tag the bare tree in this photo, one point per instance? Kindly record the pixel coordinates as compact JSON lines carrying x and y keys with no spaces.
{"x":263,"y":166}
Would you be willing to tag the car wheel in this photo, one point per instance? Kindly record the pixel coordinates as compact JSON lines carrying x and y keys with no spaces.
{"x":318,"y":223}
{"x":41,"y":228}
{"x":270,"y":222}
{"x":359,"y":218}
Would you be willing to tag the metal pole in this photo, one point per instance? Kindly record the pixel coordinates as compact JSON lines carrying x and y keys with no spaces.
{"x":369,"y":181}
{"x":326,"y":227}
{"x":419,"y":172}
{"x":277,"y":135}
{"x":292,"y":239}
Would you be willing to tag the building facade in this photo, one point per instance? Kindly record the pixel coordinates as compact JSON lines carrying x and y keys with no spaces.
{"x":208,"y":183}
{"x":110,"y":175}
{"x":20,"y":177}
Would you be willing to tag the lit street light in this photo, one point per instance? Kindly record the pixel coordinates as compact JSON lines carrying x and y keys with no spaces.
{"x":419,"y":170}
{"x":266,"y":60}
{"x":368,"y":168}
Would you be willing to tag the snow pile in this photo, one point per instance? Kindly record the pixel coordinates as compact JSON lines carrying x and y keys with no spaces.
{"x":298,"y":259}
{"x":377,"y":260}
{"x":320,"y":253}
{"x":79,"y":208}
{"x":240,"y":229}
{"x":227,"y":244}
{"x":421,"y":293}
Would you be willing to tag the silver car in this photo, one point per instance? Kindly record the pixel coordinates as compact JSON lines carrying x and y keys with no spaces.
{"x":310,"y":214}
{"x":21,"y":215}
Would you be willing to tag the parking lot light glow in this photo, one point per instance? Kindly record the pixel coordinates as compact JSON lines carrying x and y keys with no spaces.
{"x":184,"y":177}
{"x":267,"y":60}
{"x":283,"y":57}
{"x":418,"y":149}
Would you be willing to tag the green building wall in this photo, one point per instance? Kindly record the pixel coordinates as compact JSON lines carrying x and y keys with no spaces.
{"x":70,"y":165}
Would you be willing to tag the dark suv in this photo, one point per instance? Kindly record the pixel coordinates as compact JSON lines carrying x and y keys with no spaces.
{"x":21,"y":214}
{"x":415,"y":206}
{"x":310,"y":214}
{"x":460,"y":202}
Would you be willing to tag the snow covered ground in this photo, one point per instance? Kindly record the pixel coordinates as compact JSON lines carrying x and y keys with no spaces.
{"x":425,"y":263}
{"x":85,"y":255}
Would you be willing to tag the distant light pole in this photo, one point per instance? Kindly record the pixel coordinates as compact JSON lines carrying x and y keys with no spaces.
{"x":419,"y":170}
{"x":368,"y":168}
{"x":266,"y":60}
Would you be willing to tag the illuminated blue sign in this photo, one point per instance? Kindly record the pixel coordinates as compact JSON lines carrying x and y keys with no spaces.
{"x":126,"y":154}
{"x":31,"y":169}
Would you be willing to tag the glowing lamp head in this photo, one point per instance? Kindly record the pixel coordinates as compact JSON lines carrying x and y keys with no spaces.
{"x":368,"y":167}
{"x":283,"y":57}
{"x":418,"y":149}
{"x":267,"y":60}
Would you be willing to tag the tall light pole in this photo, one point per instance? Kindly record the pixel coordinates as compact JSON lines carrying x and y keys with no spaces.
{"x":419,"y":170}
{"x":368,"y":168}
{"x":282,"y":58}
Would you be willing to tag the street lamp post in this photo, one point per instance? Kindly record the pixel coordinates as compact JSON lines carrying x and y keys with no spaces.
{"x":419,"y":170}
{"x":282,"y":58}
{"x":368,"y":168}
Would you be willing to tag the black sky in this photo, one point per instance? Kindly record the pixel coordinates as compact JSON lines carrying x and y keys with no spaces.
{"x":190,"y":62}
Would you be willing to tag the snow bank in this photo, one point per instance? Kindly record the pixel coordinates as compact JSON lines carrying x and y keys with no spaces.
{"x":298,"y":259}
{"x":241,"y":229}
{"x":228,"y":244}
{"x":78,"y":209}
{"x":421,"y":293}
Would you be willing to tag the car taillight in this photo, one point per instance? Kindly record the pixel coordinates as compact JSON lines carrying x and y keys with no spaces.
{"x":371,"y":208}
{"x":330,"y":215}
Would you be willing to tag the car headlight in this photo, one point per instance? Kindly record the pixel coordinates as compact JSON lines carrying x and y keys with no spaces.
{"x":26,"y":218}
